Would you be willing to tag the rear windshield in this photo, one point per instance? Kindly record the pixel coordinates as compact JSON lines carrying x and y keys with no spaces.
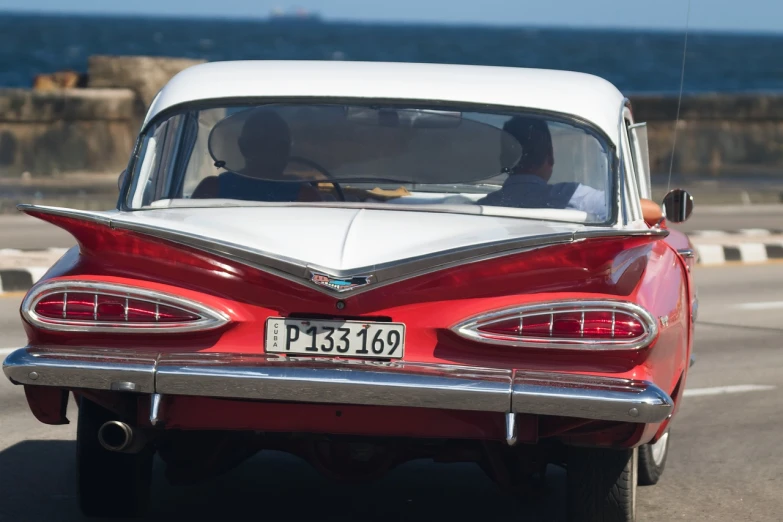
{"x":496,"y":163}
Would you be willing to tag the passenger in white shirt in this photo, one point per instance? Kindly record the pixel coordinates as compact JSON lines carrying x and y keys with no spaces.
{"x":527,"y":183}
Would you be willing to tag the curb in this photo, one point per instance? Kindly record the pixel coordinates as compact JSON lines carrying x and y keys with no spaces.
{"x":741,"y":253}
{"x":742,"y":232}
{"x":749,"y":245}
{"x":22,"y":268}
{"x":20,"y":279}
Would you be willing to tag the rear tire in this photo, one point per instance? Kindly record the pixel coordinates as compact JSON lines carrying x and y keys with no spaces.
{"x":109,"y":484}
{"x":602,"y":485}
{"x":652,"y":460}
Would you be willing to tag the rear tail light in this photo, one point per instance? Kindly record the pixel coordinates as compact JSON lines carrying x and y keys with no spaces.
{"x":108,"y":307}
{"x":596,"y":325}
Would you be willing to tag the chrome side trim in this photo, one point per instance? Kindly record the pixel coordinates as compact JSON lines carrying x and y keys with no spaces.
{"x":383,"y":274}
{"x":589,"y":397}
{"x":209,"y":318}
{"x":687,"y":253}
{"x":326,"y":381}
{"x":469,"y":327}
{"x":84,"y":215}
{"x":388,"y":273}
{"x":94,"y":369}
{"x":658,"y":233}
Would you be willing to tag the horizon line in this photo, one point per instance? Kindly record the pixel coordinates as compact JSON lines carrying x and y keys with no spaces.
{"x":322,"y":19}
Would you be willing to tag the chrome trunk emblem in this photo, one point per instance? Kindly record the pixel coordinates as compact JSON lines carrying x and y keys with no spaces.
{"x":340,"y":284}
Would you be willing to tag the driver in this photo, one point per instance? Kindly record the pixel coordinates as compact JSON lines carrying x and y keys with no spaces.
{"x":265,"y":144}
{"x":527,"y":183}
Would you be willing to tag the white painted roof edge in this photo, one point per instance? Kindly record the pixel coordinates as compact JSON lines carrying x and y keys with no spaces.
{"x":581,"y":95}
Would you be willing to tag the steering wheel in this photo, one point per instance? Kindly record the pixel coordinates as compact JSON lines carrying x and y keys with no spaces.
{"x":322,"y":170}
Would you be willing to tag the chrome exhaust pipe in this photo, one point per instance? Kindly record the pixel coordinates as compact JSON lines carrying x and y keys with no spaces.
{"x":121,"y":437}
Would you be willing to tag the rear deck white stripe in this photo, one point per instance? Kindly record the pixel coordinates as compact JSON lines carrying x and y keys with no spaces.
{"x":721,"y":390}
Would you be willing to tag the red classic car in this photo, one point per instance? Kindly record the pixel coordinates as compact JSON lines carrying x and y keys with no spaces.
{"x":365,"y":263}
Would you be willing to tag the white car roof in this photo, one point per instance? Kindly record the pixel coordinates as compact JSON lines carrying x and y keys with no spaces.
{"x":581,"y":95}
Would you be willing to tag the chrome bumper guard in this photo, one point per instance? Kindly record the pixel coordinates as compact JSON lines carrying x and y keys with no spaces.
{"x":317,"y":380}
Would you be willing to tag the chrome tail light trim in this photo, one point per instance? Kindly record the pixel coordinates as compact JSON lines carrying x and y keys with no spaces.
{"x":208,"y":318}
{"x":469,"y":328}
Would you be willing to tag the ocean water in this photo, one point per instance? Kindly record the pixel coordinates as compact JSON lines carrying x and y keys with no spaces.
{"x":636,"y":61}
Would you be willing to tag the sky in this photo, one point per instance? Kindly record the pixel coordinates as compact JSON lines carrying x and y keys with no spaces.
{"x":721,"y":15}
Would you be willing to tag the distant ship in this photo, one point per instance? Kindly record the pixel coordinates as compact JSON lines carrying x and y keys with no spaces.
{"x":297,"y":16}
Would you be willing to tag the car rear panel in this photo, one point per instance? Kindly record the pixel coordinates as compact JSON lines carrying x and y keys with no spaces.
{"x":634,"y":269}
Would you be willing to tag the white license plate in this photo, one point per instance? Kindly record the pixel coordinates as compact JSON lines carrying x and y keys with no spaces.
{"x":335,"y":338}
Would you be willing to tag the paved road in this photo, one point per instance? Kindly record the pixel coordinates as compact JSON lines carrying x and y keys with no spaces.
{"x":28,"y":233}
{"x":24,"y":232}
{"x":725,"y":462}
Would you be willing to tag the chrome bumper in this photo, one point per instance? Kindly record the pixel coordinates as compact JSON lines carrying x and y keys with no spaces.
{"x":420,"y":385}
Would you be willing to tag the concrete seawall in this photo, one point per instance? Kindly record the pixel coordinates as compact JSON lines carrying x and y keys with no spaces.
{"x":717,"y":135}
{"x":51,"y":133}
{"x":48,"y":133}
{"x":93,"y":129}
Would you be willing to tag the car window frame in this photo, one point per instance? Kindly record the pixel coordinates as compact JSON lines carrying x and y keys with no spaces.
{"x":642,"y":167}
{"x":613,"y":149}
{"x":631,"y":192}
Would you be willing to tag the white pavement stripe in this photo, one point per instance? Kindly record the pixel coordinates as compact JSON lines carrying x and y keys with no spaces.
{"x":37,"y":273}
{"x":753,"y":252}
{"x":755,"y":232}
{"x":711,"y":254}
{"x":709,"y":233}
{"x":721,"y":390}
{"x":769,"y":305}
{"x":6,"y":351}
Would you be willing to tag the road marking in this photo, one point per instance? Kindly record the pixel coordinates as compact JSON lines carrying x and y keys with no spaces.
{"x":711,"y":254}
{"x":753,"y":253}
{"x":721,"y":390}
{"x":37,"y":273}
{"x":709,"y":233}
{"x":6,"y":351}
{"x":769,"y":305}
{"x":755,"y":232}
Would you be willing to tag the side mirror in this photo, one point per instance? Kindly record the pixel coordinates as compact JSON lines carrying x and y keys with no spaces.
{"x":121,"y":179}
{"x":678,"y":205}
